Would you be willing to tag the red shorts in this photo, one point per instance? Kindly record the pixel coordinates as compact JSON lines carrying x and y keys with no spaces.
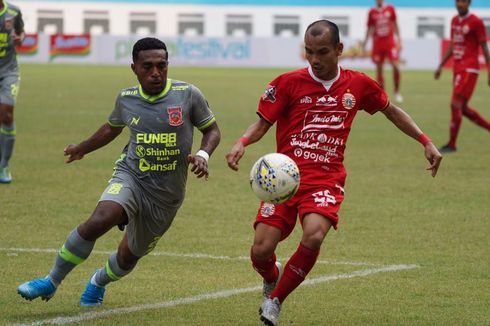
{"x":464,"y":84}
{"x":321,"y":199}
{"x":383,"y":50}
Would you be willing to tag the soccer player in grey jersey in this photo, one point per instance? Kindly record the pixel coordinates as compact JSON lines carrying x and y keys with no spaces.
{"x":11,"y":35}
{"x":148,"y":183}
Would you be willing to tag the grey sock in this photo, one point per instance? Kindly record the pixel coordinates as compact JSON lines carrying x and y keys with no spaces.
{"x":7,"y":140}
{"x":74,"y":252}
{"x":110,"y":273}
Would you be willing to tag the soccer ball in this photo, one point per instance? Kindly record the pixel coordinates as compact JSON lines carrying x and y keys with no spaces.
{"x":274,"y":178}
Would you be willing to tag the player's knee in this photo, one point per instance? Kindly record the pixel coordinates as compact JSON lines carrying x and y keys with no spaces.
{"x":314,"y":240}
{"x":262,"y":250}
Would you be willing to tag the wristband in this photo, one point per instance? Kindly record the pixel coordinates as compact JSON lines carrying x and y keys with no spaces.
{"x":203,"y":154}
{"x":424,"y":139}
{"x":244,"y":141}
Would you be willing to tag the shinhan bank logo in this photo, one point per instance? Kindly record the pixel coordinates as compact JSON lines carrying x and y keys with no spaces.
{"x":134,"y":121}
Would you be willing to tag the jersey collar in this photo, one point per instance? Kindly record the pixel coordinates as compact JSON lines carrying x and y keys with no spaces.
{"x":326,"y":83}
{"x":153,"y":98}
{"x":5,"y":7}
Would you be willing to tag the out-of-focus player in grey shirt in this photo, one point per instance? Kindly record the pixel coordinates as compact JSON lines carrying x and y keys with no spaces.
{"x":11,"y":35}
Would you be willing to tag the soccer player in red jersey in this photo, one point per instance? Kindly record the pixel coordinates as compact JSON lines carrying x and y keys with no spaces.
{"x":383,"y":27}
{"x":467,"y":35}
{"x":314,"y":108}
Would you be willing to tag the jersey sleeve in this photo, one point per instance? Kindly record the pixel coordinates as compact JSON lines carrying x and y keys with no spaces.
{"x":115,"y":118}
{"x":374,"y":98}
{"x":274,"y":100}
{"x":201,"y":114}
{"x":19,"y":23}
{"x":481,"y":33}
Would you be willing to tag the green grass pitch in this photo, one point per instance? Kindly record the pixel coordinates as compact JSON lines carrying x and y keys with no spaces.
{"x":393,"y":214}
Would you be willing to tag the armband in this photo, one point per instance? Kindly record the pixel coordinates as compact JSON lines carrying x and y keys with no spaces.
{"x":203,"y":154}
{"x":244,"y":141}
{"x":424,"y":139}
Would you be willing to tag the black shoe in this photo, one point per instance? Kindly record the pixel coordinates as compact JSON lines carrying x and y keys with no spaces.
{"x":447,"y":149}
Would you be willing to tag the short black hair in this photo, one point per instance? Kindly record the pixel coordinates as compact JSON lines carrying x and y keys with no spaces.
{"x":148,"y":43}
{"x":317,"y":28}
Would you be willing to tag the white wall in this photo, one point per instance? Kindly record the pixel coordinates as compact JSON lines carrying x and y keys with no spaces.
{"x":167,"y":16}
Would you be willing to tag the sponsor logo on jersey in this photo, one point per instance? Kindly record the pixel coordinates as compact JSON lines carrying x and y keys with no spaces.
{"x":135,"y":121}
{"x":175,"y":115}
{"x":348,"y":101}
{"x":326,"y":100}
{"x":323,"y":198}
{"x":270,"y":94}
{"x":267,"y":209}
{"x":320,"y":120}
{"x":144,"y":166}
{"x":306,"y":100}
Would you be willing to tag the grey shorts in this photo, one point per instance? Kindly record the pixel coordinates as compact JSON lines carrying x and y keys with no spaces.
{"x":147,"y":222}
{"x":9,"y":88}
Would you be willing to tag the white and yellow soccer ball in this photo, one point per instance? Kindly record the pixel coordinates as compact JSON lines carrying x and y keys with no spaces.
{"x":274,"y":178}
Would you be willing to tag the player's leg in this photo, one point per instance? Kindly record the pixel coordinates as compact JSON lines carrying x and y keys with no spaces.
{"x":75,"y":250}
{"x":463,"y":86}
{"x":379,"y":74}
{"x":394,"y":60}
{"x":9,"y":88}
{"x":118,"y":265}
{"x":146,"y":225}
{"x":315,"y":228}
{"x":471,"y":113}
{"x":263,"y":257}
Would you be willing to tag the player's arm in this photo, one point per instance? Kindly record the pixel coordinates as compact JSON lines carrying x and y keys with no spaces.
{"x":211,"y":137}
{"x":19,"y":34}
{"x":406,"y":124}
{"x":252,"y":135}
{"x":445,"y":58}
{"x":396,"y":30}
{"x":100,"y":138}
{"x":484,"y":47}
{"x":369,"y":32}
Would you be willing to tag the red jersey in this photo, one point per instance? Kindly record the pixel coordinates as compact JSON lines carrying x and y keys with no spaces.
{"x":466,"y":35}
{"x":383,"y":21}
{"x":313,"y":122}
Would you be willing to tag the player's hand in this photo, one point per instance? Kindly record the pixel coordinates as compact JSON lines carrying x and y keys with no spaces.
{"x":73,"y":152}
{"x":437,"y":73}
{"x":234,"y":156}
{"x":17,"y":39}
{"x":199,"y":166}
{"x":434,"y":157}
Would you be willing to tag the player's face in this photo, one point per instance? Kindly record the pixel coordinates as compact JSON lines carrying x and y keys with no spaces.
{"x":462,"y":6}
{"x":379,"y":3}
{"x":323,"y":55}
{"x":151,"y":69}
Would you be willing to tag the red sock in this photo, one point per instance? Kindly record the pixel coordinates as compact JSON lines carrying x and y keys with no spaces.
{"x":396,"y":79}
{"x":474,"y":116}
{"x":295,"y":271}
{"x":456,"y":117}
{"x":267,"y":269}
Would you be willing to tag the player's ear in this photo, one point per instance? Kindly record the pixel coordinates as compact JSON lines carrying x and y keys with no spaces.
{"x":133,"y":68}
{"x":340,"y":49}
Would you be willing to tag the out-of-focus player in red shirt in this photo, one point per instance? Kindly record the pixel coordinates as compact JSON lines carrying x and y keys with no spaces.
{"x":467,"y":36}
{"x":383,"y":27}
{"x":314,"y":108}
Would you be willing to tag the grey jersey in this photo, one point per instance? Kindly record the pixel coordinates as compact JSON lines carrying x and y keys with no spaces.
{"x":161,"y":133}
{"x":10,"y":21}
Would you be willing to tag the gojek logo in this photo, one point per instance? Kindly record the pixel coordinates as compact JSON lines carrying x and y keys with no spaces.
{"x":145,"y":166}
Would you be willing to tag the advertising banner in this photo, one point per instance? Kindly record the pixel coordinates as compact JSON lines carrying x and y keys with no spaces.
{"x":209,"y":52}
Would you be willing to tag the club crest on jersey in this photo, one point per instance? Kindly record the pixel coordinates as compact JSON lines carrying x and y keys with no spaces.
{"x":270,"y":94}
{"x":267,"y":209}
{"x":348,"y":101}
{"x":466,"y":29}
{"x":175,"y":115}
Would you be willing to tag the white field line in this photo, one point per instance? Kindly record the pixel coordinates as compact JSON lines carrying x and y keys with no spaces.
{"x":188,"y":255}
{"x":206,"y":296}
